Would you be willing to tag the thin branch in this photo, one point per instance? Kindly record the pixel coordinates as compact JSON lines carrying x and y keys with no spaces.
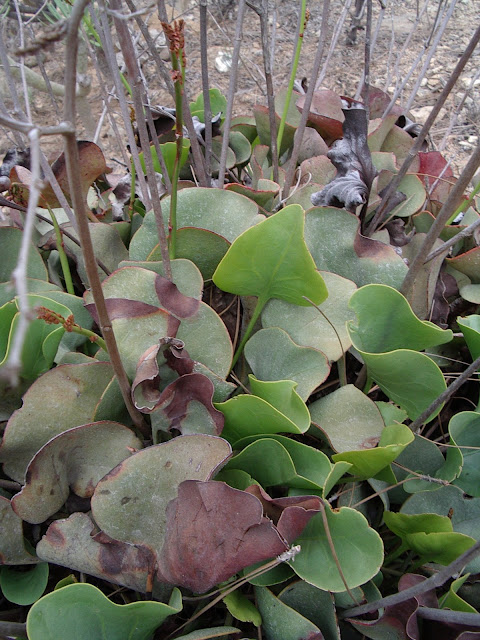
{"x":263,"y":15}
{"x":12,"y":629}
{"x":417,"y":145}
{"x":108,"y":48}
{"x":130,"y":57}
{"x":231,"y":92}
{"x":292,"y":163}
{"x":466,"y":618}
{"x":468,"y":231}
{"x":430,"y":55}
{"x":437,"y":580}
{"x":443,"y":397}
{"x":451,"y":203}
{"x":13,"y":366}
{"x":73,"y":172}
{"x":206,"y":88}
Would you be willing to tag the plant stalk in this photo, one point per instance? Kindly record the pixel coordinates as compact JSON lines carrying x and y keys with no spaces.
{"x":292,"y":163}
{"x":73,"y":173}
{"x":63,"y":256}
{"x":206,"y":88}
{"x":175,"y":36}
{"x":261,"y":302}
{"x":231,"y":92}
{"x":302,"y":24}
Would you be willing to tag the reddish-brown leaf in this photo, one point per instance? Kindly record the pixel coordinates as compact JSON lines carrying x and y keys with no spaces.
{"x":290,"y":515}
{"x":213,"y":531}
{"x":173,"y":301}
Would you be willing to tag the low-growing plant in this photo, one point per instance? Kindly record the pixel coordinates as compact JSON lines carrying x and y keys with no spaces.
{"x":226,"y":406}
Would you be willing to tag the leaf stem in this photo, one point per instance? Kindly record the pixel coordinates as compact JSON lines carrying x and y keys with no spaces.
{"x":261,"y":302}
{"x":63,"y":256}
{"x":52,"y":317}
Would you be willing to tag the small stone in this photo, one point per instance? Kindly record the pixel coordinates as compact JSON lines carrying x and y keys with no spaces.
{"x":424,"y":82}
{"x":472,"y":139}
{"x":466,"y":146}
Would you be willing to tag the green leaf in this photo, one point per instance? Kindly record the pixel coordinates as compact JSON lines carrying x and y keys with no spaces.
{"x":348,"y":418}
{"x":271,"y":260}
{"x":10,"y":241}
{"x":386,"y":322}
{"x":367,"y":464}
{"x":465,"y":434}
{"x":333,"y":238}
{"x":313,"y":328}
{"x":279,"y":621}
{"x":360,"y":555}
{"x":291,"y":463}
{"x":316,"y":605}
{"x":410,"y":379}
{"x":429,"y":535}
{"x":242,"y":609}
{"x":251,"y":415}
{"x":24,"y":587}
{"x":450,"y":501}
{"x":453,"y":601}
{"x":218,"y":104}
{"x":273,"y":355}
{"x":470,"y":327}
{"x":82,"y":612}
{"x":169,"y":152}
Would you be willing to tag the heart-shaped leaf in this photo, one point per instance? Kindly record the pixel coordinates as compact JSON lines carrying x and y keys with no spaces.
{"x":228,"y":533}
{"x":77,"y":544}
{"x":62,"y":398}
{"x":349,"y":419}
{"x":313,"y":328}
{"x":77,"y":458}
{"x":360,"y":556}
{"x":81,"y":611}
{"x":271,"y":260}
{"x":292,"y":464}
{"x":333,"y":238}
{"x":273,"y":355}
{"x":251,"y":415}
{"x":129,"y":503}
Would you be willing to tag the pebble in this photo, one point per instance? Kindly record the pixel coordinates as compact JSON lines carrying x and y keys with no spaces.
{"x":466,"y":146}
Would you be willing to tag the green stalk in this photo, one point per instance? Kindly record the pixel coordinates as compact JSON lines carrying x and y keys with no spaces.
{"x":63,"y":256}
{"x":52,"y":317}
{"x":177,"y":55}
{"x":293,"y":73}
{"x":261,"y":302}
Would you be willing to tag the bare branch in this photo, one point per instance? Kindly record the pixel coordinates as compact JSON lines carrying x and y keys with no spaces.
{"x":13,"y":366}
{"x":437,"y":580}
{"x":231,"y":91}
{"x":73,"y":172}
